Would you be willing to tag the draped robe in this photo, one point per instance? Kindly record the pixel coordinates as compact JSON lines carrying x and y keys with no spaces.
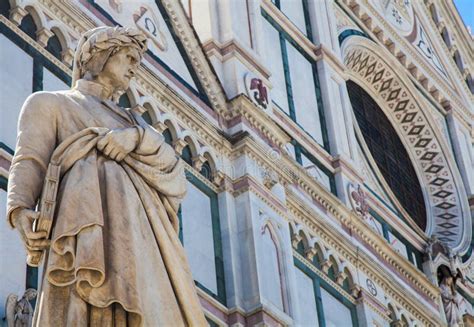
{"x":115,"y":257}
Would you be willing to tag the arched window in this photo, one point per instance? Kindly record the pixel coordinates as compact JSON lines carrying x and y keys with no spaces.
{"x":206,"y":170}
{"x":146,"y":117}
{"x":389,"y":153}
{"x":187,"y":155}
{"x":446,"y":37}
{"x":470,"y":83}
{"x":54,"y":46}
{"x":28,"y":26}
{"x":168,"y":137}
{"x":458,"y":60}
{"x":434,"y":14}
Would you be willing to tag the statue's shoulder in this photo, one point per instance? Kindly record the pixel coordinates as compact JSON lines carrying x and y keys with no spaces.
{"x":48,"y":98}
{"x":44,"y":103}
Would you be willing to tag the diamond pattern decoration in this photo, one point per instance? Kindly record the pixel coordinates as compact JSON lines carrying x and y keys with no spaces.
{"x":401,"y":105}
{"x":421,"y":143}
{"x":439,"y":181}
{"x":378,"y":76}
{"x":386,"y":84}
{"x":370,"y":69}
{"x":393,"y":95}
{"x":442,"y":194}
{"x":415,"y":130}
{"x":364,"y":62}
{"x":446,"y":233}
{"x":409,"y":117}
{"x":447,"y":225}
{"x":411,"y":124}
{"x":428,"y":155}
{"x":447,"y":216}
{"x":445,"y":205}
{"x":434,"y":169}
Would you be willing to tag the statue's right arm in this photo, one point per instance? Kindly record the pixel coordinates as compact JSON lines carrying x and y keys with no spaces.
{"x":36,"y":140}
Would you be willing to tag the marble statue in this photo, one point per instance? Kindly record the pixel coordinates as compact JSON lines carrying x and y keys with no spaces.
{"x":20,"y":313}
{"x":453,"y":303}
{"x":113,"y":256}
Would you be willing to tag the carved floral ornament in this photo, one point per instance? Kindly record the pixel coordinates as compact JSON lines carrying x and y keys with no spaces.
{"x":447,"y":209}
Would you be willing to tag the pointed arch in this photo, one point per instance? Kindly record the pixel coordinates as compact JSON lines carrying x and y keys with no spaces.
{"x":274,"y":235}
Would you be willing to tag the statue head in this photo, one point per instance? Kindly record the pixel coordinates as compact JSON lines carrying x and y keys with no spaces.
{"x":110,"y":56}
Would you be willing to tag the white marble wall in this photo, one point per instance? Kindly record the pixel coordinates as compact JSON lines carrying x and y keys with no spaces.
{"x":198,"y":239}
{"x":16,"y":78}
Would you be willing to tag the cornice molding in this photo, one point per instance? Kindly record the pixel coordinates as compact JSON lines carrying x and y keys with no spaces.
{"x":231,"y":49}
{"x":200,"y":62}
{"x":349,"y":252}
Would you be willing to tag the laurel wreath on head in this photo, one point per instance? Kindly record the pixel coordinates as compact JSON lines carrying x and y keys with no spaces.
{"x":112,"y":39}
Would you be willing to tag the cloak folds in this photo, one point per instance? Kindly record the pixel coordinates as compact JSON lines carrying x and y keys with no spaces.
{"x":115,"y":257}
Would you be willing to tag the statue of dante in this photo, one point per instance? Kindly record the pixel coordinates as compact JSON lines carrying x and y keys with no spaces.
{"x":113,"y":256}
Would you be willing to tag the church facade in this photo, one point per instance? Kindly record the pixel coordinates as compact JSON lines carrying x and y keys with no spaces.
{"x":329,"y":149}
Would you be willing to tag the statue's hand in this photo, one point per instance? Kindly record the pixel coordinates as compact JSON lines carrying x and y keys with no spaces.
{"x":118,"y":143}
{"x":23,"y":221}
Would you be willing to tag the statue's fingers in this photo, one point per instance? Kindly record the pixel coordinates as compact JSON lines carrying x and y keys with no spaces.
{"x":120,"y":157}
{"x":40,"y":244}
{"x":114,"y":154}
{"x":30,"y":248}
{"x":108,"y":150}
{"x":34,"y":253}
{"x":33,"y":214}
{"x":102,"y":143}
{"x":35,"y":235}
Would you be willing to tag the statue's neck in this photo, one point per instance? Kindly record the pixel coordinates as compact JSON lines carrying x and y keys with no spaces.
{"x":95,"y":88}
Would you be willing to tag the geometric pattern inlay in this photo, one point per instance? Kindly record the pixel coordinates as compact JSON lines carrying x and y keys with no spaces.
{"x":446,"y":218}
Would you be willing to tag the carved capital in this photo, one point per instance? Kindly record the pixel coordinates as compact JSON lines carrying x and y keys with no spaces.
{"x":160,"y":127}
{"x":17,"y":14}
{"x":310,"y":253}
{"x":295,"y":239}
{"x":67,"y":56}
{"x":465,"y":73}
{"x":179,"y":145}
{"x":340,"y":277}
{"x":397,"y":323}
{"x":42,"y":36}
{"x":441,"y":25}
{"x":218,"y":177}
{"x":325,"y":265}
{"x":355,"y":291}
{"x":198,"y":161}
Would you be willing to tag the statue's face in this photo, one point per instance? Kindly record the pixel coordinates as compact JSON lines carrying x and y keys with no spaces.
{"x":121,"y":67}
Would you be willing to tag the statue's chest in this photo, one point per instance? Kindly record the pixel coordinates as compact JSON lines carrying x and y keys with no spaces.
{"x":89,"y":112}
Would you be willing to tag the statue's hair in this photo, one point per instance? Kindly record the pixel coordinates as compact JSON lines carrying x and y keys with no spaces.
{"x":97,"y":45}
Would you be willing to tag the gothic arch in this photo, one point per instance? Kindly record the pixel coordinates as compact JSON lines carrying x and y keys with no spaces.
{"x":447,"y":210}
